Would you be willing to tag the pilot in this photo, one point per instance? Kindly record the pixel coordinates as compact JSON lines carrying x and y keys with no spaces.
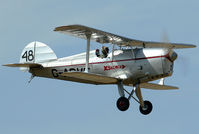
{"x":105,"y":51}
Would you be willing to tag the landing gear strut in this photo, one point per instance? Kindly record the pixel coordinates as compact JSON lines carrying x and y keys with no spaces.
{"x":123,"y":102}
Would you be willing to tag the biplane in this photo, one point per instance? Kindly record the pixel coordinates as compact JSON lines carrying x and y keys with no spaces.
{"x":131,"y":62}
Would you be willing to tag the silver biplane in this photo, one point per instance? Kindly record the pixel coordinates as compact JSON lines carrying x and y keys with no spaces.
{"x":134,"y":63}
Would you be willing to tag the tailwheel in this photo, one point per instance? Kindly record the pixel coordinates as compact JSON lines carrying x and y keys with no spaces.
{"x":147,"y":108}
{"x":123,"y":104}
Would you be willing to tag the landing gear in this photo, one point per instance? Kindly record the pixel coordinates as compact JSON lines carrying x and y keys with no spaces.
{"x":147,"y":108}
{"x":123,"y":104}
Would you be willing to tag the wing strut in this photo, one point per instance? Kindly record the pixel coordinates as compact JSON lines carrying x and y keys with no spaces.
{"x":88,"y":36}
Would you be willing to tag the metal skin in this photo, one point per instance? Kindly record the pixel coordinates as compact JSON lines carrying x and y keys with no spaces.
{"x":131,"y":65}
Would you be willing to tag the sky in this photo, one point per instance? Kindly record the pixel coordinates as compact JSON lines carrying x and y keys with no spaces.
{"x":47,"y":106}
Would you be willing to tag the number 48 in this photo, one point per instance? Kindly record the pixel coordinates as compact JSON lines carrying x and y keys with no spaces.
{"x":28,"y":55}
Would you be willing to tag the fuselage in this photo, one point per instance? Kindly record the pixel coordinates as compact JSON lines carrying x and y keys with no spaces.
{"x":130,"y":65}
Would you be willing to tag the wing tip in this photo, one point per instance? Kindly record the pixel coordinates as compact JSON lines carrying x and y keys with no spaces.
{"x":56,"y":29}
{"x":193,"y":46}
{"x":62,"y":28}
{"x":186,"y":46}
{"x":175,"y":88}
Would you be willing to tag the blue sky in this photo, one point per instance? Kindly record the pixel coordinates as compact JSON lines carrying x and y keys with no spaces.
{"x":47,"y":106}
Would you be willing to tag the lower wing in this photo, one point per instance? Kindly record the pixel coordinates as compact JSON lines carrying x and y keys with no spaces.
{"x":90,"y":78}
{"x":154,"y":86}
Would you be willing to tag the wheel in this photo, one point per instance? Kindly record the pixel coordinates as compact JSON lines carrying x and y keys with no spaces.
{"x":123,"y":104}
{"x":147,"y":108}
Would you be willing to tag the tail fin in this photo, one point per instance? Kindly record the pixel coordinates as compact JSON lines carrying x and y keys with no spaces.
{"x":36,"y":52}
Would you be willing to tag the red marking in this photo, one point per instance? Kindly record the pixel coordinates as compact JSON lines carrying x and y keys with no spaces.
{"x":153,"y":57}
{"x":114,"y":67}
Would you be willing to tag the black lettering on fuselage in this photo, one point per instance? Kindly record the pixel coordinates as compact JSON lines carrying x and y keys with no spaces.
{"x":83,"y":69}
{"x":72,"y":70}
{"x":54,"y":73}
{"x":57,"y":73}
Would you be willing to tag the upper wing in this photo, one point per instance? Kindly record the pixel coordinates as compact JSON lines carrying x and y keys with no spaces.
{"x":105,"y":37}
{"x":90,"y":78}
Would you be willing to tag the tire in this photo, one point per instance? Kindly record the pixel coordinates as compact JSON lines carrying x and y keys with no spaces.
{"x":123,"y":104}
{"x":147,"y":108}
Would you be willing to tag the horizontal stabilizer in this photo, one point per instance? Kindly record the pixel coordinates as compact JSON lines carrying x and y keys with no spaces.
{"x":157,"y":86}
{"x":30,"y":65}
{"x":90,"y":78}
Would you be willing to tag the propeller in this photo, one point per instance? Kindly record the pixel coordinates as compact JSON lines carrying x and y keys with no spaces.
{"x":181,"y":60}
{"x":165,"y":37}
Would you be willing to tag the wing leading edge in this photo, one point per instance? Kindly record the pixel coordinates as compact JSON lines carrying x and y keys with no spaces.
{"x":102,"y":37}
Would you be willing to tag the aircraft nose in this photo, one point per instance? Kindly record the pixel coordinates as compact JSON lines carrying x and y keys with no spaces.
{"x":173,"y":56}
